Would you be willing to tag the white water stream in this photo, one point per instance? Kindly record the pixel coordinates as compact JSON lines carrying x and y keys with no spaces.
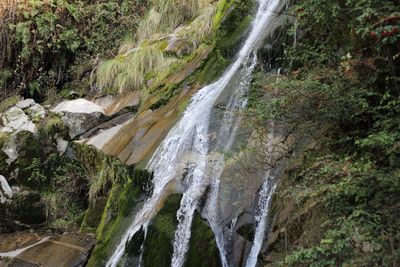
{"x":186,"y":151}
{"x":266,"y":193}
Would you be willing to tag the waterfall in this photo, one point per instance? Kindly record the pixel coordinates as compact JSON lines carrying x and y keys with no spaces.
{"x":226,"y":136}
{"x":186,"y":151}
{"x":267,"y":190}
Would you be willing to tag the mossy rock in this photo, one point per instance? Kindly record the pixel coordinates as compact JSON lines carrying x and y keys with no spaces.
{"x":247,"y":231}
{"x":158,"y":246}
{"x":53,"y":125}
{"x":213,"y":68}
{"x":134,"y":245}
{"x":3,"y":156}
{"x":233,"y":20}
{"x":121,"y":202}
{"x":92,"y":217}
{"x":234,"y":27}
{"x":203,"y":250}
{"x":29,"y":149}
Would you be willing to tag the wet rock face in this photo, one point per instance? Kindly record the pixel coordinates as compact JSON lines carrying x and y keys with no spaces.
{"x":69,"y":249}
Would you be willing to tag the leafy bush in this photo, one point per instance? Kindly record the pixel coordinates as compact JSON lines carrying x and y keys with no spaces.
{"x":340,"y":93}
{"x":43,"y":39}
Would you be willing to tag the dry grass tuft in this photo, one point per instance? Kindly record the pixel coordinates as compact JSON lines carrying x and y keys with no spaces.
{"x":128,"y":71}
{"x":140,"y":57}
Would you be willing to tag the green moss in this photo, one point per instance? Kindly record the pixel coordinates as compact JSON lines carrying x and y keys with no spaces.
{"x":213,"y":68}
{"x":222,"y":8}
{"x":93,"y":214}
{"x":53,"y":125}
{"x":3,"y":156}
{"x":158,"y":247}
{"x":29,"y":148}
{"x":121,"y":201}
{"x":233,"y":19}
{"x":9,"y":102}
{"x":233,"y":27}
{"x":203,"y":250}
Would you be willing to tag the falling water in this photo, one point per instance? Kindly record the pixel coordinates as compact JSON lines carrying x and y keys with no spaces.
{"x":226,"y":136}
{"x":186,"y":149}
{"x":264,"y":202}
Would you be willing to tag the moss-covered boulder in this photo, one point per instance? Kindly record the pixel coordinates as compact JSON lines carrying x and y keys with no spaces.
{"x":158,"y":246}
{"x":24,"y":149}
{"x":203,"y":250}
{"x":123,"y":201}
{"x":237,"y":16}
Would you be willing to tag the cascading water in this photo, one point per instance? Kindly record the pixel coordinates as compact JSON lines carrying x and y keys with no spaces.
{"x":186,"y":151}
{"x":267,"y":190}
{"x":226,"y":135}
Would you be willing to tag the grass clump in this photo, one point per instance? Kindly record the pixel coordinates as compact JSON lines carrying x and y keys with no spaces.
{"x":128,"y":71}
{"x":142,"y":56}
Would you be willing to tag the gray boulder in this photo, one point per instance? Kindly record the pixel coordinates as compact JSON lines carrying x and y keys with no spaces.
{"x":16,"y":119}
{"x":80,"y":115}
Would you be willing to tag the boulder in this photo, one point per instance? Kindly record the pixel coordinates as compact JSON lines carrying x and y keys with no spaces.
{"x":6,"y":130}
{"x":61,"y":145}
{"x":80,"y":106}
{"x":36,"y":112}
{"x":23,"y":104}
{"x":113,"y":105}
{"x":16,"y":119}
{"x":5,"y":190}
{"x":10,"y":148}
{"x":80,"y":115}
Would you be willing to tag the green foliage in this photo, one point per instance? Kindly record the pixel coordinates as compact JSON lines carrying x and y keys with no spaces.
{"x":103,"y":171}
{"x":340,"y":99}
{"x":35,"y":171}
{"x":341,"y":26}
{"x":48,"y":37}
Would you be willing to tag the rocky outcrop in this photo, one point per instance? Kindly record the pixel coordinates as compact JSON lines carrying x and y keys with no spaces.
{"x":15,"y":119}
{"x":22,"y":117}
{"x":80,"y":115}
{"x":6,"y":192}
{"x":70,"y":249}
{"x":113,"y":105}
{"x":79,"y":106}
{"x":136,"y":139}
